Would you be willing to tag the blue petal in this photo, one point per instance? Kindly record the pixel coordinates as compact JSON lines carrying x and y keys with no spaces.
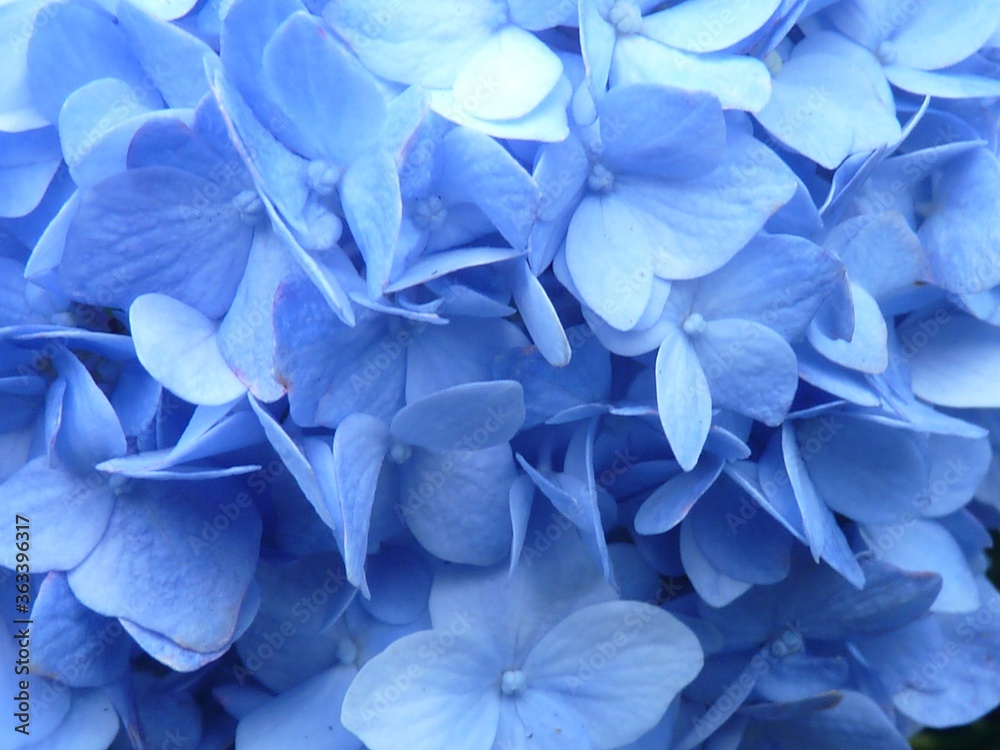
{"x":777,"y":280}
{"x":715,"y":587}
{"x":479,"y":170}
{"x":608,"y":252}
{"x":578,"y":505}
{"x":692,"y":146}
{"x":463,"y":418}
{"x":738,"y":81}
{"x":25,"y":181}
{"x":856,"y":721}
{"x":754,"y":549}
{"x":79,"y":44}
{"x":324,"y":76}
{"x":373,"y":207}
{"x":597,"y":40}
{"x":179,"y":347}
{"x":707,"y":25}
{"x":822,"y":532}
{"x":359,"y":447}
{"x":131,"y":235}
{"x":967,"y":686}
{"x":960,"y":239}
{"x":278,"y":173}
{"x":867,"y":349}
{"x":825,"y":607}
{"x":453,"y":702}
{"x":414,"y":43}
{"x":90,"y":431}
{"x":925,"y":546}
{"x":549,"y":389}
{"x":170,"y":56}
{"x":669,"y":504}
{"x":818,"y":94}
{"x":96,"y":128}
{"x":69,"y":513}
{"x":749,"y":368}
{"x":700,"y":224}
{"x":653,"y":664}
{"x":441,"y":264}
{"x":304,"y":717}
{"x":400,"y":584}
{"x":64,"y":634}
{"x":181,"y":659}
{"x":461,"y":352}
{"x":935,"y":36}
{"x":329,"y":369}
{"x":157,"y":564}
{"x":246,"y":337}
{"x":456,"y":504}
{"x":682,"y":398}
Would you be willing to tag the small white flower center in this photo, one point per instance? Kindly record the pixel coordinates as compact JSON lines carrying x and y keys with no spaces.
{"x":347,"y":652}
{"x":886,"y":52}
{"x":249,"y":205}
{"x":323,"y":176}
{"x":600,"y":180}
{"x":694,"y":324}
{"x":400,"y":453}
{"x":430,"y":212}
{"x":626,"y":17}
{"x":512,"y":681}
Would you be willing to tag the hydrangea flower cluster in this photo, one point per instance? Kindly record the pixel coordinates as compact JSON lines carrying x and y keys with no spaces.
{"x":498,"y":374}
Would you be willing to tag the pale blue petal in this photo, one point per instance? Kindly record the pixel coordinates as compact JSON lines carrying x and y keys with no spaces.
{"x":463,"y":418}
{"x":155,"y":566}
{"x":477,"y":169}
{"x":324,"y":76}
{"x":304,"y":717}
{"x":960,"y":239}
{"x":707,"y":25}
{"x":749,"y":368}
{"x":510,"y":75}
{"x":246,"y":336}
{"x":63,"y":636}
{"x":658,"y":658}
{"x":636,"y":141}
{"x":90,"y":431}
{"x":454,"y":702}
{"x":131,"y":235}
{"x":682,"y":398}
{"x":609,"y":252}
{"x":700,"y":224}
{"x":415,"y":43}
{"x":777,"y":280}
{"x":867,"y":350}
{"x":925,"y":546}
{"x":739,"y":82}
{"x":936,"y":36}
{"x":716,"y":588}
{"x":170,"y":56}
{"x":179,"y":347}
{"x":69,"y":513}
{"x":373,"y":208}
{"x":669,"y":504}
{"x":359,"y":446}
{"x":446,"y":262}
{"x":953,"y":362}
{"x":456,"y":503}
